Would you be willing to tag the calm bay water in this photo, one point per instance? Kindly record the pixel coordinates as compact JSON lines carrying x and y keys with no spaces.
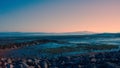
{"x":70,"y":42}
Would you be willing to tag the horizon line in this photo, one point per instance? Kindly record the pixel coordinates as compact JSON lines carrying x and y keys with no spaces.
{"x":56,"y":32}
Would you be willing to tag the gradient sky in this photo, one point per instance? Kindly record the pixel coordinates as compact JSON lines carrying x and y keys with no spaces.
{"x":59,"y":15}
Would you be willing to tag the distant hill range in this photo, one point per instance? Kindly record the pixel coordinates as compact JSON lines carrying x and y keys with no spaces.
{"x":78,"y":33}
{"x":43,"y":33}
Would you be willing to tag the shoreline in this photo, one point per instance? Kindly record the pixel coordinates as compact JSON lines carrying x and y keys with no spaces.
{"x":5,"y":51}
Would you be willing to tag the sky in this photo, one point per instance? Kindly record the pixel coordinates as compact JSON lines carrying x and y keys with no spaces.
{"x":59,"y":15}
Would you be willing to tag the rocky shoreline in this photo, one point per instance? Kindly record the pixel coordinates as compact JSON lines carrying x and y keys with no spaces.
{"x":90,"y":60}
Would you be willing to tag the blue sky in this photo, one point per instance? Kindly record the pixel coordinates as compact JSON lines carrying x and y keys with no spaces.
{"x":59,"y":15}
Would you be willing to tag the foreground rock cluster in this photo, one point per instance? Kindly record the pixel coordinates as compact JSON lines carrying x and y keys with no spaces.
{"x":91,"y":60}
